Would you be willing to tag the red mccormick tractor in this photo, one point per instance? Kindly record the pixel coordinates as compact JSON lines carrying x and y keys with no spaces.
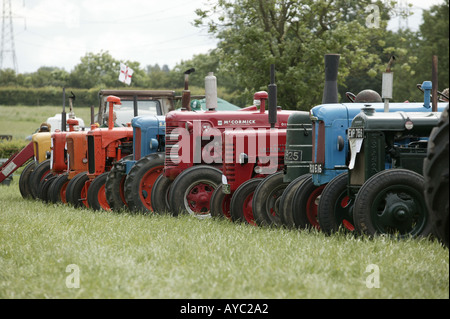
{"x":193,"y":161}
{"x":245,"y":170}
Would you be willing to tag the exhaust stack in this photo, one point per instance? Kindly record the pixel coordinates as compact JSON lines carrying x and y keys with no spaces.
{"x":186,"y":97}
{"x":272,"y":98}
{"x":330,"y":91}
{"x":211,"y":92}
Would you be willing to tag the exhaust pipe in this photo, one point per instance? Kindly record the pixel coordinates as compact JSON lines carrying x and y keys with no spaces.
{"x":186,"y":97}
{"x":272,"y":98}
{"x":330,"y":91}
{"x":63,"y":114}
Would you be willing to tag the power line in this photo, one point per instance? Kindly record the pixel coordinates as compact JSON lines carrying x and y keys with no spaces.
{"x":7,"y":44}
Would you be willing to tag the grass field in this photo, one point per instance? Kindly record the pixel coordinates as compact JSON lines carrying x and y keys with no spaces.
{"x":44,"y":249}
{"x":56,"y":251}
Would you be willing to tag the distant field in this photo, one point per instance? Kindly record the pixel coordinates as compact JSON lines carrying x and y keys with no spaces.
{"x":44,"y":248}
{"x":22,"y":121}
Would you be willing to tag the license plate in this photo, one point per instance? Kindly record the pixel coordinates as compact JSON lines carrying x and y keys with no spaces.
{"x":315,"y":168}
{"x":295,"y":156}
{"x":354,"y":132}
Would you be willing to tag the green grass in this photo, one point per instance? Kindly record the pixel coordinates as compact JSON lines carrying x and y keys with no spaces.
{"x":121,"y":255}
{"x":22,"y":121}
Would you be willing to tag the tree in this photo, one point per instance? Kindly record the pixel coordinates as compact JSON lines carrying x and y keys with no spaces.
{"x":295,"y":36}
{"x":102,"y":70}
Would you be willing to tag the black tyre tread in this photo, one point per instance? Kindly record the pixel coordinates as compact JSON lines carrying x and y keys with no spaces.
{"x":262,"y":193}
{"x":24,"y":180}
{"x":113,"y":185}
{"x":41,"y":170}
{"x":44,"y":186}
{"x":435,"y":170}
{"x":301,"y":197}
{"x":73,"y":192}
{"x":239,"y":195}
{"x":328,"y":201}
{"x":160,"y":195}
{"x":216,"y":201}
{"x":93,"y":191}
{"x":286,"y":202}
{"x":54,"y":191}
{"x":133,"y":180}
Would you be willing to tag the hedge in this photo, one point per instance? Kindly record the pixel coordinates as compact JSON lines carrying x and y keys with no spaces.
{"x":8,"y":148}
{"x":46,"y":96}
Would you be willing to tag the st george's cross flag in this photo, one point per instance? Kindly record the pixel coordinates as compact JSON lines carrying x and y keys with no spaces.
{"x":125,"y":74}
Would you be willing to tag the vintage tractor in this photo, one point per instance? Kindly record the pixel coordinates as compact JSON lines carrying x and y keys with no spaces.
{"x":193,"y":159}
{"x":330,"y":152}
{"x":383,"y":190}
{"x":151,"y":103}
{"x":56,"y":159}
{"x":39,"y":148}
{"x":253,"y":158}
{"x":104,"y":146}
{"x":435,"y":172}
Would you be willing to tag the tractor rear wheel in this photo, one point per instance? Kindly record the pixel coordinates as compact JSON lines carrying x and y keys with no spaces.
{"x":305,"y":204}
{"x":266,"y":200}
{"x":191,"y":191}
{"x":76,"y":191}
{"x":220,"y":204}
{"x":392,"y":202}
{"x":96,"y":196}
{"x":335,"y":207}
{"x":139,"y":182}
{"x":24,"y":180}
{"x":41,"y":170}
{"x":435,"y":171}
{"x":241,"y":202}
{"x":287,"y":204}
{"x":57,"y":190}
{"x":160,"y":195}
{"x":115,"y":183}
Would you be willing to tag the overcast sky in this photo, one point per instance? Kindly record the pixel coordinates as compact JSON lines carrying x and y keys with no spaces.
{"x":60,"y":32}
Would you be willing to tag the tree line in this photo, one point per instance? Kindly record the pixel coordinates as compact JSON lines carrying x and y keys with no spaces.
{"x":293,"y":35}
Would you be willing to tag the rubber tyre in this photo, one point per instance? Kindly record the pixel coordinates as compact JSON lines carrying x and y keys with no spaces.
{"x":115,"y":184}
{"x":287,"y":202}
{"x":335,"y":210}
{"x":44,"y":186}
{"x":96,"y":196}
{"x":241,"y":202}
{"x":382,"y":201}
{"x":24,"y":180}
{"x":57,"y":190}
{"x":160,"y":195}
{"x":140,"y":180}
{"x":305,"y":204}
{"x":191,"y":191}
{"x":435,"y":171}
{"x":266,"y":200}
{"x":76,"y":192}
{"x":220,"y":204}
{"x":41,"y":170}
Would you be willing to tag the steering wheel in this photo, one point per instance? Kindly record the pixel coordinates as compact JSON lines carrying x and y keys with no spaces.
{"x":350,"y":96}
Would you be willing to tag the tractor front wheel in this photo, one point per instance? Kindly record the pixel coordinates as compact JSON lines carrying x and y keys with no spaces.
{"x":220,"y":204}
{"x":160,"y":195}
{"x":241,"y":202}
{"x":96,"y":196}
{"x":192,"y":190}
{"x":57,"y":190}
{"x":335,"y":207}
{"x":76,"y":191}
{"x":305,"y":204}
{"x":392,"y":202}
{"x":24,"y":180}
{"x":266,"y":200}
{"x":140,"y":180}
